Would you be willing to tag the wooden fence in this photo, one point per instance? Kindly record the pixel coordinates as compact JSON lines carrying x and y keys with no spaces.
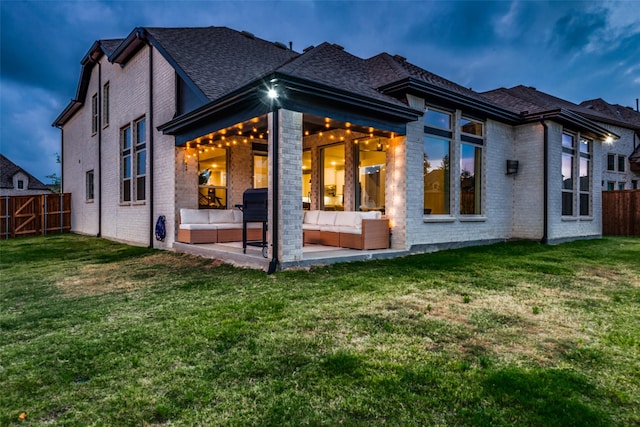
{"x":621,"y":213}
{"x":35,"y":215}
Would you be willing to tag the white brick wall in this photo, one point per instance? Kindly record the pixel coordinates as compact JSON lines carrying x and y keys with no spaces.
{"x":528,"y":183}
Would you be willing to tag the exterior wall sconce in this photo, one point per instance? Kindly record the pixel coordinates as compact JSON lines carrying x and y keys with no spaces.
{"x":512,"y":167}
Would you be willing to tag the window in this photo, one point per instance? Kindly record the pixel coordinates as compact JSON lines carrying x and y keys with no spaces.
{"x":472,"y":132}
{"x":20,"y":184}
{"x":260,"y":170}
{"x":634,"y":184}
{"x":333,"y":160}
{"x":621,"y":164}
{"x":621,"y":185}
{"x":585,"y":177}
{"x":212,"y":178}
{"x":141,"y":158}
{"x":105,"y":105}
{"x":125,"y":162}
{"x":437,"y":162}
{"x":94,"y":113}
{"x":306,"y":179}
{"x":611,"y":185}
{"x":568,"y":177}
{"x":372,"y":173}
{"x":437,"y":175}
{"x":89,"y":186}
{"x":611,"y":162}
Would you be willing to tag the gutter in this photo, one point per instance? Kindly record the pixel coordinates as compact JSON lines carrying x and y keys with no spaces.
{"x":273,"y":265}
{"x":150,"y":127}
{"x":100,"y":112}
{"x":545,"y":215}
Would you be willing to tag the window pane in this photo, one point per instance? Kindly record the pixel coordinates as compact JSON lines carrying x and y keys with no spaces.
{"x":372,"y":172}
{"x":621,"y":185}
{"x":125,"y":136}
{"x":126,"y":167}
{"x":585,"y":146}
{"x":567,"y":140}
{"x":333,"y":177}
{"x":621,"y":163}
{"x":567,"y":203}
{"x":126,"y":190}
{"x":611,"y":162}
{"x":611,"y":185}
{"x":260,"y":171}
{"x":585,"y":181}
{"x":141,"y":162}
{"x":140,"y":188}
{"x":89,"y":185}
{"x":437,"y":119}
{"x":584,"y":204}
{"x":567,"y":172}
{"x":306,"y":179}
{"x":140,"y":132}
{"x":471,"y":127}
{"x":470,"y":182}
{"x":212,"y":178}
{"x":437,"y":169}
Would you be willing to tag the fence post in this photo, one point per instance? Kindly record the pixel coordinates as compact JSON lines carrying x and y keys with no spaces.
{"x":6,"y":217}
{"x":61,"y":213}
{"x":44,"y":214}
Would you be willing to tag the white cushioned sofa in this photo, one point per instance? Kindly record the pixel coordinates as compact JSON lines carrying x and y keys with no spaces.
{"x":346,"y":229}
{"x":214,"y":226}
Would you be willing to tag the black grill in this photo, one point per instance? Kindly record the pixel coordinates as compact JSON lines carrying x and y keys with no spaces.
{"x":255,"y":208}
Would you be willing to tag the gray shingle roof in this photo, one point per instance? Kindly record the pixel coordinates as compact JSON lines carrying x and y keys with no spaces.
{"x":218,"y":59}
{"x":329,"y":64}
{"x":110,"y":45}
{"x":615,"y":111}
{"x":8,"y":169}
{"x":528,"y":99}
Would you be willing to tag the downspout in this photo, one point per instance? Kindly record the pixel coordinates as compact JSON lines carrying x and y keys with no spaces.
{"x":273,"y":265}
{"x":545,"y":216}
{"x":150,"y":127}
{"x":100,"y":112}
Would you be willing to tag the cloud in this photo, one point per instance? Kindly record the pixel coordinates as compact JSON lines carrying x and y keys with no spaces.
{"x":575,"y":30}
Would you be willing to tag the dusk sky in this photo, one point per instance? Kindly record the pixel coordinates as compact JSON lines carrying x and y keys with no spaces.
{"x":573,"y":50}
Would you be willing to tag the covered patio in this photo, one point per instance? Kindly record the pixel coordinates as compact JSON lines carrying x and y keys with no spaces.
{"x":312,"y":154}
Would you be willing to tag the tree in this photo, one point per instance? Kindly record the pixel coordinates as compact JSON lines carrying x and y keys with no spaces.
{"x":55,"y":180}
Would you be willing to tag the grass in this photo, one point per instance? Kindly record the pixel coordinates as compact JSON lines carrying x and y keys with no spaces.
{"x":96,"y":333}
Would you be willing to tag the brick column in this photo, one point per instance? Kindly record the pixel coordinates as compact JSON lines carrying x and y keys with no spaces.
{"x":290,"y":185}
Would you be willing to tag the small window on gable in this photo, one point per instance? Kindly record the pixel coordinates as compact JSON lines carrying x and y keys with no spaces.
{"x":20,"y":184}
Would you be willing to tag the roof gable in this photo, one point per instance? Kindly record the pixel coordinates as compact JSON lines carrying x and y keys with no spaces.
{"x":218,"y":60}
{"x":8,"y":170}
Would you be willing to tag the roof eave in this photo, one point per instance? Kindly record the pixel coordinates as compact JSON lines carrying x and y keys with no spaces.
{"x":425,"y":89}
{"x":129,"y":46}
{"x":564,"y":116}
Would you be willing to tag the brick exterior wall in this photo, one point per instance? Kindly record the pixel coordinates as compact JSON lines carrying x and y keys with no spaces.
{"x":128,"y":101}
{"x":528,"y":183}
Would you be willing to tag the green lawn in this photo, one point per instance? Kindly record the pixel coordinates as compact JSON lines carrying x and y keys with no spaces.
{"x":97,"y":333}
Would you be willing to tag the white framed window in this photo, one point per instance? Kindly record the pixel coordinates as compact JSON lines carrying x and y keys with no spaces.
{"x":471,"y":144}
{"x":89,"y":185}
{"x":438,"y":129}
{"x":584,"y":171}
{"x":94,"y":114}
{"x":125,"y":164}
{"x":568,"y":173}
{"x":105,"y":105}
{"x":133,"y":157}
{"x":621,"y":163}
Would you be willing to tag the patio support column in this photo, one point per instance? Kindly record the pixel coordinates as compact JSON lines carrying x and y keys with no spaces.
{"x":406,"y":159}
{"x":289,"y":177}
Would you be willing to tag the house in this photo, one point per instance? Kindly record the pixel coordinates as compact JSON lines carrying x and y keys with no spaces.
{"x":175,"y":118}
{"x":622,"y":163}
{"x":15,"y":181}
{"x":621,"y":159}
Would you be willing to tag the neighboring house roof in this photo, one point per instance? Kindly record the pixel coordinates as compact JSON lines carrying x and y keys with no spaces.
{"x":614,"y":111}
{"x":8,"y":169}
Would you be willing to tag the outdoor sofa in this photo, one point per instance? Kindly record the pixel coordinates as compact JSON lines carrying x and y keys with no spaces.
{"x":214,"y":226}
{"x":346,"y":229}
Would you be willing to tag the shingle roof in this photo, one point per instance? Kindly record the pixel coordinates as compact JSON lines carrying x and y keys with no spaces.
{"x":615,"y":111}
{"x":110,"y":45}
{"x":8,"y":169}
{"x":529,"y":100}
{"x":218,"y":59}
{"x":329,"y":64}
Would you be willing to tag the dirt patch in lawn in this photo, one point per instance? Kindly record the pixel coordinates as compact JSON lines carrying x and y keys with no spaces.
{"x":129,"y":275}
